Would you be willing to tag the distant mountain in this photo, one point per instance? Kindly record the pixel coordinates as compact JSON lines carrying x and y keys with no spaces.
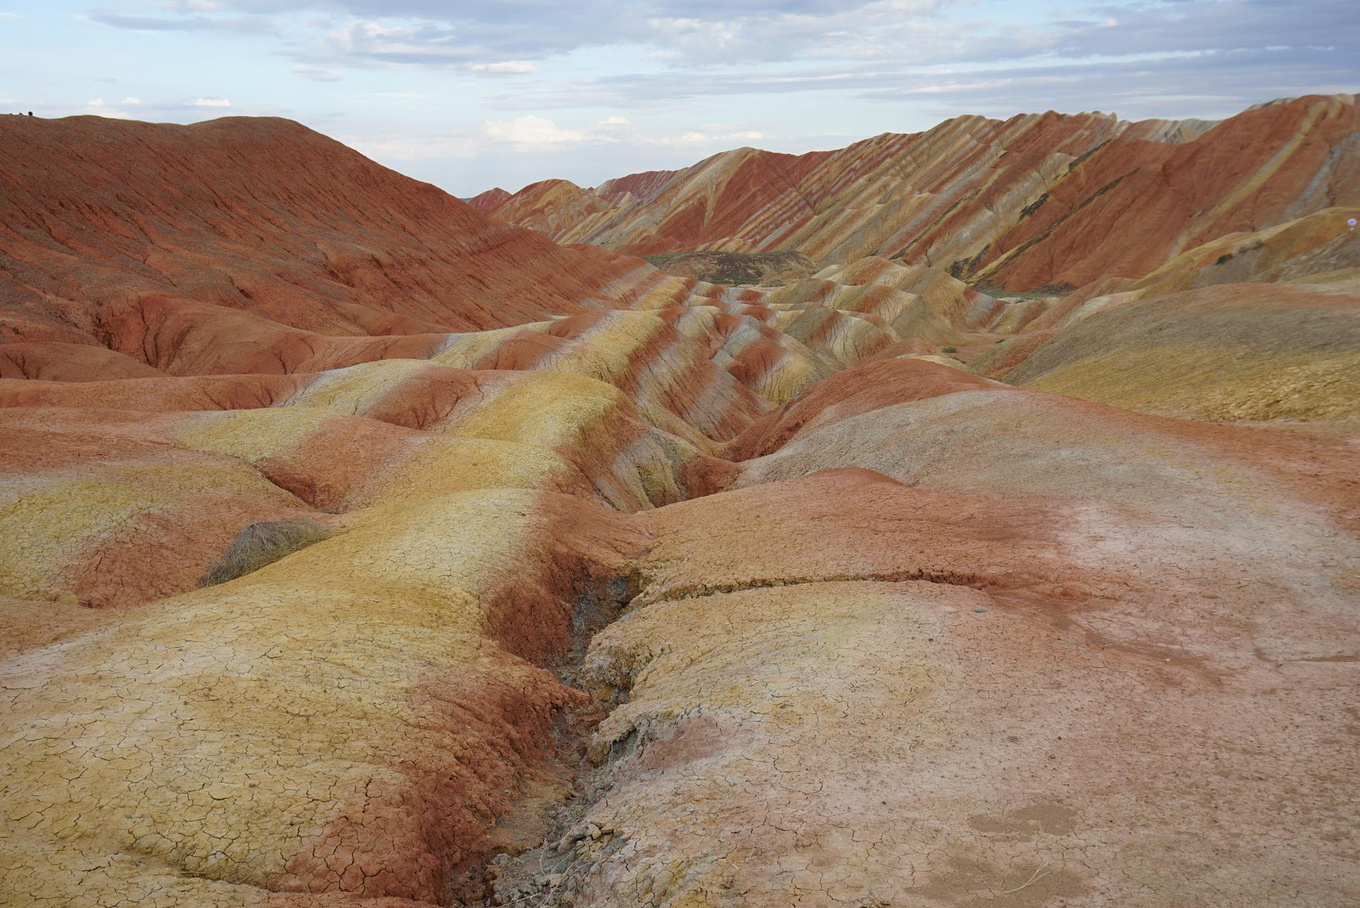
{"x":1039,"y":200}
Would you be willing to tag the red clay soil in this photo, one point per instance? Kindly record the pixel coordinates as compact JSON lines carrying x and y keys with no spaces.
{"x":69,"y":362}
{"x":209,"y":392}
{"x":378,"y":846}
{"x":487,"y":202}
{"x":1131,"y":205}
{"x":261,"y":216}
{"x":546,"y":205}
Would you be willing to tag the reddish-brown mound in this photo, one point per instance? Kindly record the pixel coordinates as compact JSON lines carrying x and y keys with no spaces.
{"x":549,"y":206}
{"x":488,"y":201}
{"x":224,"y":392}
{"x":1134,"y":204}
{"x":100,"y":219}
{"x":69,"y":362}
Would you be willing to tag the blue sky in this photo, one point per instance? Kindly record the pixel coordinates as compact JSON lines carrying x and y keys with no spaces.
{"x":471,"y":95}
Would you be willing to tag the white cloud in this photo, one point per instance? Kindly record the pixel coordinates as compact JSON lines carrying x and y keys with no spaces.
{"x":400,"y":148}
{"x":505,"y":68}
{"x":131,"y":101}
{"x":695,"y":138}
{"x":316,"y":73}
{"x":210,"y":102}
{"x":531,"y":133}
{"x":865,"y":50}
{"x":100,"y":108}
{"x":232,"y":25}
{"x":395,"y":95}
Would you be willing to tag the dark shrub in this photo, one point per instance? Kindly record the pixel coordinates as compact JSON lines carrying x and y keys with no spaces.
{"x":260,"y":544}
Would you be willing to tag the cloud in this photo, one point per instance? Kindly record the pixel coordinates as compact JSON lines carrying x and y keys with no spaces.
{"x":405,"y":148}
{"x":531,"y":133}
{"x":1187,"y":57}
{"x":697,"y":138}
{"x":539,"y":134}
{"x":239,"y":25}
{"x":534,"y":133}
{"x":316,"y":73}
{"x":131,"y":101}
{"x":516,"y":32}
{"x":1180,"y":84}
{"x":99,"y":108}
{"x":1143,"y":57}
{"x":506,"y":67}
{"x":510,"y":35}
{"x":210,"y":102}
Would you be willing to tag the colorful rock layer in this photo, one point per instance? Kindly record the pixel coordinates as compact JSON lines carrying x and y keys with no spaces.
{"x":1040,"y":200}
{"x":355,"y":551}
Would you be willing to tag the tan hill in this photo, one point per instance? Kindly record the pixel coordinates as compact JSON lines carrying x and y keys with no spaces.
{"x":1252,"y":326}
{"x":1040,"y":200}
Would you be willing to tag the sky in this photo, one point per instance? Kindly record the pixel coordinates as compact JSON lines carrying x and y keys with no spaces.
{"x":470,"y":95}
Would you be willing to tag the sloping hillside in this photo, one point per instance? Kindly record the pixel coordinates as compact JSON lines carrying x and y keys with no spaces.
{"x":141,"y":237}
{"x":1039,"y":200}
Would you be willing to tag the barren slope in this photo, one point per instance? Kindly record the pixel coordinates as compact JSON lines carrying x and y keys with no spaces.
{"x":253,"y":235}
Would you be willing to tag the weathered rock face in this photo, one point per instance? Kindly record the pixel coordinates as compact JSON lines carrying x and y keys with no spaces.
{"x":683,"y":596}
{"x":1035,"y":201}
